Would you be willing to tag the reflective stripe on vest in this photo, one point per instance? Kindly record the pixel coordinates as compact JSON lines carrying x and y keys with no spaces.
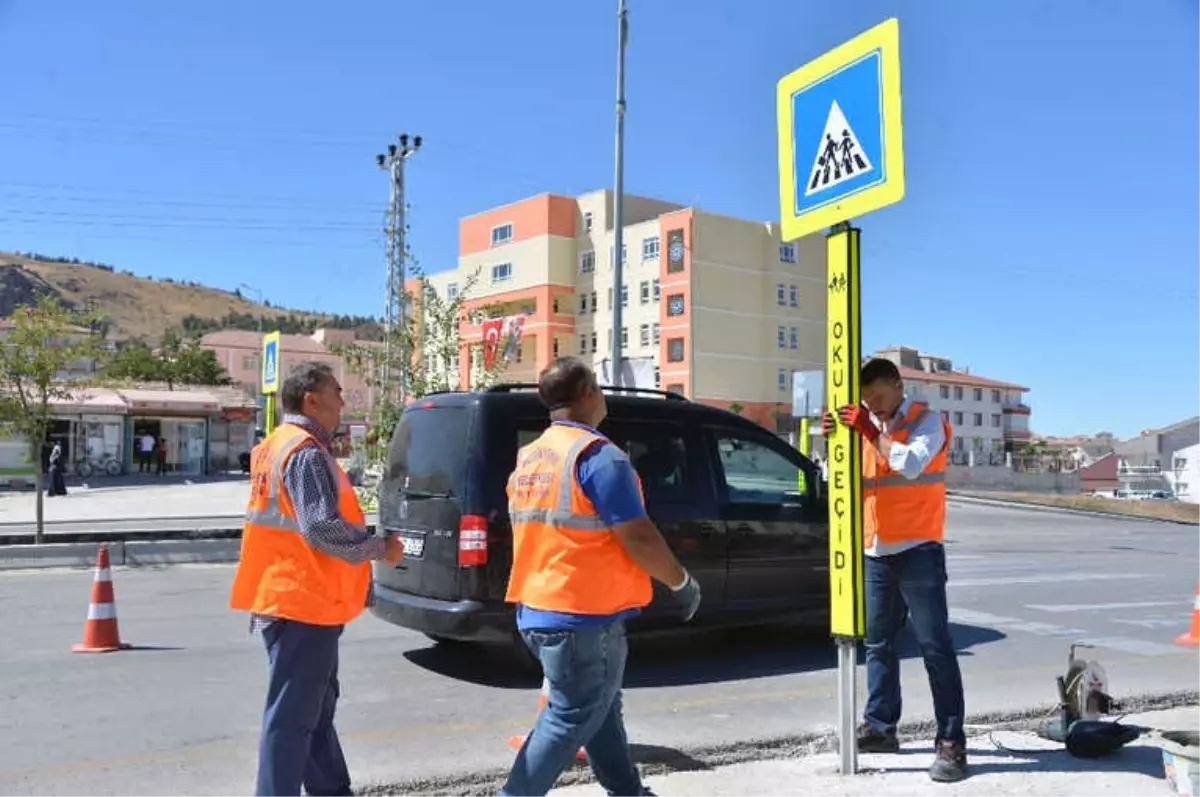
{"x":272,"y":514}
{"x":898,"y":509}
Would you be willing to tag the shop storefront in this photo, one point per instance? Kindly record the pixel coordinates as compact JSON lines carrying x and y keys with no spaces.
{"x":174,"y":425}
{"x":90,"y":428}
{"x":231,"y":434}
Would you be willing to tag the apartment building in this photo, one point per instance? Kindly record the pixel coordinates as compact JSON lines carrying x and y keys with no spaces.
{"x":985,"y":415}
{"x":718,"y":309}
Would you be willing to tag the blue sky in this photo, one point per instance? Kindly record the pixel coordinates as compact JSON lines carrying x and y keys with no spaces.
{"x":1048,"y":236}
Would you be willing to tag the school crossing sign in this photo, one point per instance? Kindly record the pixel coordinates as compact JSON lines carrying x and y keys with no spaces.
{"x":841,"y":149}
{"x":270,"y":363}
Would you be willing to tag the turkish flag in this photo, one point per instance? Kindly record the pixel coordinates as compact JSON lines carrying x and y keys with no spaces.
{"x":491,"y":340}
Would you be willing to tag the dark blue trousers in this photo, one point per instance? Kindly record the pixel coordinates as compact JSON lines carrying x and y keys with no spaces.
{"x":299,"y":745}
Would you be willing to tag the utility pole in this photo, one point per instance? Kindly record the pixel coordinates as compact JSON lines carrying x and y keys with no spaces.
{"x":618,"y":198}
{"x":397,"y":253}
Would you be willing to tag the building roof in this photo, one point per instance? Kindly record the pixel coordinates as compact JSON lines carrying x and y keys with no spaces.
{"x":954,"y":378}
{"x":119,"y":400}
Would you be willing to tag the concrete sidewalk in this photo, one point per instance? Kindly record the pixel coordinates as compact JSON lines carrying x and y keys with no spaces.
{"x":1000,"y":762}
{"x":171,"y":499}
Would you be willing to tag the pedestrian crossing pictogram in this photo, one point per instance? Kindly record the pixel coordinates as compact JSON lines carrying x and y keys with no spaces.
{"x":270,"y":367}
{"x":839,"y":154}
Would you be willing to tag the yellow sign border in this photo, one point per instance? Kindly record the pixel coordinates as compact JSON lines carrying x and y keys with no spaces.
{"x":847,"y":615}
{"x":268,"y":339}
{"x":884,"y":37}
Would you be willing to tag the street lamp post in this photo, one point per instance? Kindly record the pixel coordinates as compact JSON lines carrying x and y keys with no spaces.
{"x":258,"y":294}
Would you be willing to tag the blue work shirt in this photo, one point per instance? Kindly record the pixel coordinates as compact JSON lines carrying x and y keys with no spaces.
{"x":607,"y":478}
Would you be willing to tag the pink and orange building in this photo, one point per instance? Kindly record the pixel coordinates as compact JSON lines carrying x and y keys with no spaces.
{"x":716,"y":308}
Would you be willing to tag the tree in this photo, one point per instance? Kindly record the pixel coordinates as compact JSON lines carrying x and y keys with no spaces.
{"x":46,"y":344}
{"x":178,"y":361}
{"x":426,"y":348}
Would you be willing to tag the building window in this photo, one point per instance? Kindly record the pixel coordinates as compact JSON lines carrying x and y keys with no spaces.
{"x":501,"y":272}
{"x":554,"y":348}
{"x":675,"y":251}
{"x":958,"y":394}
{"x":958,"y":419}
{"x":587,"y":221}
{"x":944,"y":391}
{"x":583,"y":344}
{"x":782,"y":378}
{"x":452,"y":291}
{"x":610,"y":298}
{"x":946,"y":416}
{"x":674,"y":350}
{"x":787,"y":253}
{"x":502,"y":234}
{"x":978,"y":394}
{"x":593,"y":341}
{"x":587,"y":262}
{"x":995,"y":420}
{"x":554,"y":305}
{"x":657,"y":377}
{"x":657,"y":290}
{"x":675,"y":306}
{"x":250,"y":363}
{"x":650,"y":248}
{"x":593,"y":298}
{"x":978,"y":419}
{"x":781,"y":295}
{"x":794,"y":338}
{"x":794,"y":296}
{"x":655,"y":331}
{"x":782,"y":337}
{"x":676,"y":388}
{"x":644,"y":290}
{"x":644,"y":333}
{"x":995,"y":396}
{"x":624,"y":337}
{"x":624,"y":252}
{"x":624,"y":295}
{"x":583,"y":303}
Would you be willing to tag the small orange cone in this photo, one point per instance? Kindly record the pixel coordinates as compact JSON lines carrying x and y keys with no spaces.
{"x":100,"y":634}
{"x":1192,"y":637}
{"x":517,"y":742}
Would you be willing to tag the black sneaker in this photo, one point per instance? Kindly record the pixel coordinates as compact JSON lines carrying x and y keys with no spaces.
{"x":872,"y":741}
{"x":950,"y":764}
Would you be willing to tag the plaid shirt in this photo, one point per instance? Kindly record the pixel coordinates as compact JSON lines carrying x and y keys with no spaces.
{"x":313,"y":489}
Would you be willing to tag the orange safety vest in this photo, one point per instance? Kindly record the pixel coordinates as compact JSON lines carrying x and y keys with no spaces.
{"x":565,"y":559}
{"x":899,"y":509}
{"x":279,"y":573}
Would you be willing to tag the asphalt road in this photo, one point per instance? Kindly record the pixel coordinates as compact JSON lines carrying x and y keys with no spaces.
{"x":180,"y":714}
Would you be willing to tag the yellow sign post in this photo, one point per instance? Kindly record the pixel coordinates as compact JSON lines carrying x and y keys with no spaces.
{"x":841,"y":155}
{"x":270,"y":378}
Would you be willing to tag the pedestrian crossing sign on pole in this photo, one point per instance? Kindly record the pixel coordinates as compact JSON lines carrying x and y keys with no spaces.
{"x":841,"y":148}
{"x":270,"y":363}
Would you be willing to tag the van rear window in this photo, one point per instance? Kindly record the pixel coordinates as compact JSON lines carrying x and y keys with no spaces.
{"x":428,"y":452}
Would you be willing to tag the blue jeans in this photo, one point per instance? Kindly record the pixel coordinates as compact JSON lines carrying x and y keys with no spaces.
{"x":585,"y":668}
{"x":911,"y":584}
{"x":299,"y":744}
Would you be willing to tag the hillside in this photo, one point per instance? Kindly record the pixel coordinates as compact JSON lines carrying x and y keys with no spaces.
{"x":141,"y":307}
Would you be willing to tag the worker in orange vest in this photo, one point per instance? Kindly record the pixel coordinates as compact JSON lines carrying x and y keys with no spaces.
{"x":904,"y":516}
{"x":584,"y":552}
{"x":304,"y":573}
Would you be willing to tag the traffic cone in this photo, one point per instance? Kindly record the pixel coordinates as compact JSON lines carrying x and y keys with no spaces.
{"x":100,"y":634}
{"x":1192,"y":637}
{"x":517,"y":742}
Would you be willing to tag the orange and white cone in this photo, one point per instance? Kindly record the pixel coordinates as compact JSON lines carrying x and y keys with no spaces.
{"x":100,"y":634}
{"x":1192,"y":638}
{"x":517,"y":742}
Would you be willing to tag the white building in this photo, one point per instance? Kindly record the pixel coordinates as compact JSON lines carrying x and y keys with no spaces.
{"x":986,"y":416}
{"x":1184,"y":474}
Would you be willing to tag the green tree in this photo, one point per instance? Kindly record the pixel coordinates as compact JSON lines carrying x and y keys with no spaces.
{"x":178,"y":361}
{"x":425,"y":348}
{"x":46,"y":346}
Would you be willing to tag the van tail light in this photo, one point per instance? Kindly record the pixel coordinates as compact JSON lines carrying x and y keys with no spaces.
{"x":472,"y":541}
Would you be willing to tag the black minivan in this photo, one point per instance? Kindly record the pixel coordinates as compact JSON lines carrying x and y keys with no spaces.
{"x":724,"y":492}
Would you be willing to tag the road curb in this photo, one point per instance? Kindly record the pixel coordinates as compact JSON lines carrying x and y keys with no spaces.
{"x":144,"y":553}
{"x":666,"y":761}
{"x":1062,"y":510}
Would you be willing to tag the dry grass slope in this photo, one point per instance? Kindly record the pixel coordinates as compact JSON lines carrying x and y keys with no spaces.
{"x":138,"y":306}
{"x":1163,"y":510}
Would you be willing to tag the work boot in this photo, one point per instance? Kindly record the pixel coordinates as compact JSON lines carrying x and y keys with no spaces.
{"x":950,"y":765}
{"x":870,"y":740}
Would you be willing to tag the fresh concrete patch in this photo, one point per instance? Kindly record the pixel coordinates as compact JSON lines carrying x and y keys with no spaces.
{"x":57,"y":554}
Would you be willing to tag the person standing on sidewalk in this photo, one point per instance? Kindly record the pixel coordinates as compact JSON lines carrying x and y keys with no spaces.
{"x":304,"y":573}
{"x":584,"y":552}
{"x":904,"y":516}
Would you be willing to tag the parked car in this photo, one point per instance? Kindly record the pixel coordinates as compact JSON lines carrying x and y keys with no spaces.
{"x":722,"y":490}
